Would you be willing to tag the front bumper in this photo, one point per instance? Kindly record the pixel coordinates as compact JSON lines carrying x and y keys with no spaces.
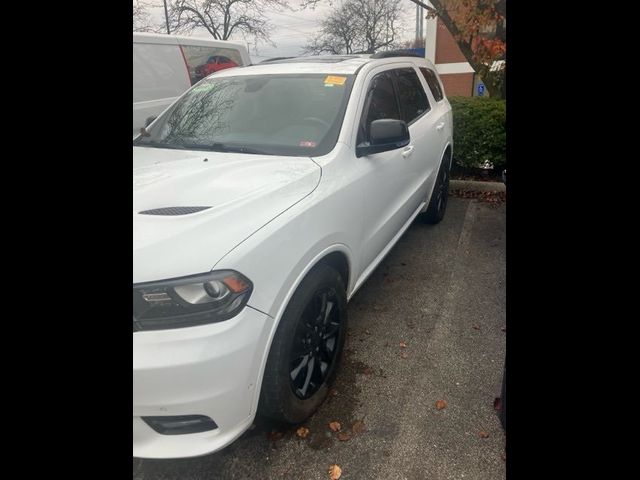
{"x":207,"y":370}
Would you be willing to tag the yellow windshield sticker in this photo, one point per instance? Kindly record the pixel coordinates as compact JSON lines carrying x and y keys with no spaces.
{"x":334,"y":80}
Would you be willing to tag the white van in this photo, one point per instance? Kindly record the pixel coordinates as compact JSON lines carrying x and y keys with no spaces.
{"x":164,"y":66}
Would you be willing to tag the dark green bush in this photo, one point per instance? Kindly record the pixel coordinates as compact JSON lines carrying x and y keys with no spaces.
{"x":479,"y":131}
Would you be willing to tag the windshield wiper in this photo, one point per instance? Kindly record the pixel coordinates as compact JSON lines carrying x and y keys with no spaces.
{"x":225,"y":147}
{"x":142,"y":143}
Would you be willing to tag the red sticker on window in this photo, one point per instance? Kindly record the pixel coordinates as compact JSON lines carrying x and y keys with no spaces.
{"x":307,"y":143}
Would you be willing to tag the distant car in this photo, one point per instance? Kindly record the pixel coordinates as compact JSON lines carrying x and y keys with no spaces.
{"x":214,"y":64}
{"x":263,"y":198}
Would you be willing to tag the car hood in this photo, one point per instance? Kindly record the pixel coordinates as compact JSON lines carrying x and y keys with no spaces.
{"x":244,"y":192}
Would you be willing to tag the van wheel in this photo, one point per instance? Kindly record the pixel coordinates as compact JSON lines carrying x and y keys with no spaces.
{"x":306,"y":348}
{"x":438,"y":202}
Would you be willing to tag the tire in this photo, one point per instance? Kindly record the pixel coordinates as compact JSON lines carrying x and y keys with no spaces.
{"x":312,"y":329}
{"x":438,"y":201}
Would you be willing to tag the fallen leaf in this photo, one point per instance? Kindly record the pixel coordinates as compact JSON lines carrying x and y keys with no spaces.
{"x":403,"y":344}
{"x":344,"y":436}
{"x":368,"y":371}
{"x":440,"y":404}
{"x":504,"y":456}
{"x":497,"y":403}
{"x":483,"y":434}
{"x":333,"y":392}
{"x":275,"y":435}
{"x":335,"y":472}
{"x":302,"y":432}
{"x":335,"y":426}
{"x":476,"y":327}
{"x":357,"y":427}
{"x":404,"y":354}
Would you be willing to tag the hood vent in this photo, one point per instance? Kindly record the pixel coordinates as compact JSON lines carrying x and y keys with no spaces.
{"x":173,"y":211}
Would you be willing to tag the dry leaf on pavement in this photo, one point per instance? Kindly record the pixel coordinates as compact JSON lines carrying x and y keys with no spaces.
{"x":483,"y":434}
{"x":357,"y":427}
{"x":335,"y":472}
{"x":333,"y":392}
{"x":302,"y":432}
{"x":344,"y":436}
{"x":497,"y":404}
{"x":335,"y":426}
{"x":440,"y":404}
{"x":404,"y":355}
{"x":368,"y":371}
{"x":403,"y":344}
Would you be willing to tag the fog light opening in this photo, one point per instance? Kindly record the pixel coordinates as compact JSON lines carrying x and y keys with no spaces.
{"x":180,"y":425}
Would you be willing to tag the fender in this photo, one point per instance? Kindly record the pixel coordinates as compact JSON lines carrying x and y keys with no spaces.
{"x":290,"y":290}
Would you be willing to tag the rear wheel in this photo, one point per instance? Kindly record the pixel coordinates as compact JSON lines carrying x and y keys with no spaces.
{"x":438,"y":202}
{"x":306,"y":348}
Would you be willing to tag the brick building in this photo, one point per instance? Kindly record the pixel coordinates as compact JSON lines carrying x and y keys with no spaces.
{"x":457,"y":75}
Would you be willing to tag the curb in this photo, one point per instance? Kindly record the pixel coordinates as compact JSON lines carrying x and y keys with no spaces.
{"x":474,"y":186}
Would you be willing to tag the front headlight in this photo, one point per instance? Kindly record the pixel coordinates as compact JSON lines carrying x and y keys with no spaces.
{"x":189,"y":301}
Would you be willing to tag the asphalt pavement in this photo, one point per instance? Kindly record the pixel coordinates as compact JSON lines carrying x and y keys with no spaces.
{"x":428,"y":325}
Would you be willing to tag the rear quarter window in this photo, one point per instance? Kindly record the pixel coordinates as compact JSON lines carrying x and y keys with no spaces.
{"x":432,"y":80}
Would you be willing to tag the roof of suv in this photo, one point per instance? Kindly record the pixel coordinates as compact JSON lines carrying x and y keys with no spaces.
{"x":337,"y":64}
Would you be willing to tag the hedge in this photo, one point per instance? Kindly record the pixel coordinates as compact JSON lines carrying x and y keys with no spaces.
{"x":479,"y":131}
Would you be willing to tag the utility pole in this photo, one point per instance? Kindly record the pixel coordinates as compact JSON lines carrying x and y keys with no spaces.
{"x":166,"y":17}
{"x":419,"y":24}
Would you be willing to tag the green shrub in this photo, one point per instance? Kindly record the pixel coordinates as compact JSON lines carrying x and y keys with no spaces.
{"x":479,"y":131}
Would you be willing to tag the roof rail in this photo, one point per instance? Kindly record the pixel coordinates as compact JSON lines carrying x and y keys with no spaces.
{"x":395,"y":53}
{"x":275,"y":58}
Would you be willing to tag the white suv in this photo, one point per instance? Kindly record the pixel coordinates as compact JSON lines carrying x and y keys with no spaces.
{"x":263,"y":199}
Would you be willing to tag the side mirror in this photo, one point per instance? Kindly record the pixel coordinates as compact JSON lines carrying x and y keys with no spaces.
{"x":148,"y":121}
{"x":384,"y":135}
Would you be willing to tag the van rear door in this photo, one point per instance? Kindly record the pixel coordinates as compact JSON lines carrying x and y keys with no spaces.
{"x":159,"y":77}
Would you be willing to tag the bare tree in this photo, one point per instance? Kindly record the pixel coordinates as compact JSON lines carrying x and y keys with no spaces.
{"x":224,"y":18}
{"x":141,"y":18}
{"x":358,"y":26}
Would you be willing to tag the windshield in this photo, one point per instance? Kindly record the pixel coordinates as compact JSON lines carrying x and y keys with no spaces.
{"x":298,"y":115}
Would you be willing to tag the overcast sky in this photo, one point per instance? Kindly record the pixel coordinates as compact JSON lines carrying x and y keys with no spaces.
{"x":292,"y":29}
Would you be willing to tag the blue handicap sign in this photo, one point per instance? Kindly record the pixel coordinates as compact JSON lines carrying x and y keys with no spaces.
{"x":480,"y":89}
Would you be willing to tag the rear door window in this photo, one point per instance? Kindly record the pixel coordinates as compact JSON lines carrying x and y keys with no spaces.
{"x":413,"y":98}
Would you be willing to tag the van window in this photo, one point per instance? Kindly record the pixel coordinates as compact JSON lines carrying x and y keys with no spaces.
{"x":203,"y":61}
{"x":158,"y":72}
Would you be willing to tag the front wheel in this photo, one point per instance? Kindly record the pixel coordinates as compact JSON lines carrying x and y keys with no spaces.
{"x":438,"y":202}
{"x":306,"y":348}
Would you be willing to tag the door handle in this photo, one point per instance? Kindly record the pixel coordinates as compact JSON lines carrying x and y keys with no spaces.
{"x":440,"y":126}
{"x":407,"y":151}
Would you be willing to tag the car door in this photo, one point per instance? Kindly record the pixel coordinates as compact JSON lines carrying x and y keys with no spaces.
{"x":385,"y":180}
{"x":440,"y":106}
{"x":422,"y":119}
